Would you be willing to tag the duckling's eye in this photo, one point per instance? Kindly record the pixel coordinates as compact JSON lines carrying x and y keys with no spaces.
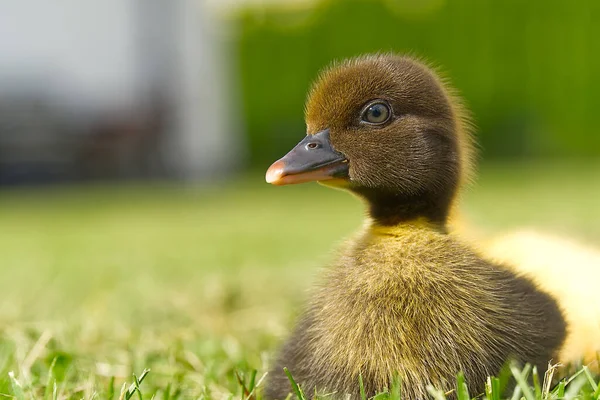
{"x":376,"y":113}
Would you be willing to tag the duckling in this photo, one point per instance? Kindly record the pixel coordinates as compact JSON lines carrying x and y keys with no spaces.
{"x":404,"y":298}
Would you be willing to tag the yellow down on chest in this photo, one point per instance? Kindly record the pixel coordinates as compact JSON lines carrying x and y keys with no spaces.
{"x":381,"y":308}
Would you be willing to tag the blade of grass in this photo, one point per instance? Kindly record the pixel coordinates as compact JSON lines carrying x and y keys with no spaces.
{"x":167,"y":392}
{"x":504,"y":377}
{"x":251,"y":394}
{"x":573,"y":377}
{"x":575,"y":387}
{"x":134,"y":386}
{"x":590,"y":379}
{"x":137,"y":386}
{"x":381,"y":396}
{"x":242,"y":382}
{"x":462,"y":391}
{"x":297,"y":390}
{"x":395,"y":393}
{"x":495,"y":388}
{"x":559,"y":391}
{"x":536,"y":383}
{"x":16,"y":387}
{"x":548,"y":380}
{"x":596,"y":394}
{"x":111,"y":388}
{"x":521,"y":378}
{"x":252,"y":380}
{"x":123,"y":391}
{"x":361,"y":385}
{"x":488,"y":388}
{"x":50,"y":381}
{"x":516,"y":393}
{"x":436,"y":393}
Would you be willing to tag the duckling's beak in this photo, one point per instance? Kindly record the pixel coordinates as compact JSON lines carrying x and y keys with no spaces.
{"x":313,"y":159}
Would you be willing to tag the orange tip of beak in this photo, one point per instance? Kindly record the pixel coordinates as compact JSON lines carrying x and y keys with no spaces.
{"x":275,"y":172}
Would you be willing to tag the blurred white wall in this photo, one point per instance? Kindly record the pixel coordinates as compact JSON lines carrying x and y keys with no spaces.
{"x":80,"y":51}
{"x":206,"y":95}
{"x":98,"y":56}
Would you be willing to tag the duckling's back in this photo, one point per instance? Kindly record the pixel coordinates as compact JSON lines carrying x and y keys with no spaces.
{"x":567,"y":270}
{"x":414,"y":301}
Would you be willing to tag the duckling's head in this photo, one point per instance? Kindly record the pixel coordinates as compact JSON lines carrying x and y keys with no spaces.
{"x":386,"y":128}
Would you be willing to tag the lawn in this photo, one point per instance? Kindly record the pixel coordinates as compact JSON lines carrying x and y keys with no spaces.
{"x":198,"y":282}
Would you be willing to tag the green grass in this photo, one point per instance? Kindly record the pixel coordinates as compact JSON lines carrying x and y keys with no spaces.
{"x":196,"y":283}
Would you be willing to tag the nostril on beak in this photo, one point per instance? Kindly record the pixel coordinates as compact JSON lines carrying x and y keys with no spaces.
{"x":312,"y":146}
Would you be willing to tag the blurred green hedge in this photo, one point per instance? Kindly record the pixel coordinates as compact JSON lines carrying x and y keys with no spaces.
{"x":527,"y":69}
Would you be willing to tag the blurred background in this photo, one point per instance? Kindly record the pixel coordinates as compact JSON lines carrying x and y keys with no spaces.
{"x":135,"y":224}
{"x":129,"y":89}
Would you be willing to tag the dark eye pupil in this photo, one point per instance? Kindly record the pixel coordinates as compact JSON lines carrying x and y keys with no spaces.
{"x":376,"y":111}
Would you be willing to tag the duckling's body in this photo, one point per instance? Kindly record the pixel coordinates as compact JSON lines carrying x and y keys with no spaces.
{"x":570,"y":273}
{"x":413,"y":301}
{"x":405,"y":297}
{"x":562,"y":267}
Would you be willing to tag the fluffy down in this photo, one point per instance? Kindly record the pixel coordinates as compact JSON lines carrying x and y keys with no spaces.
{"x":570,"y":273}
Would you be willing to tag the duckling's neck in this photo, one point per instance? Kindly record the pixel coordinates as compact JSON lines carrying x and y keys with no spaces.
{"x":390,"y":209}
